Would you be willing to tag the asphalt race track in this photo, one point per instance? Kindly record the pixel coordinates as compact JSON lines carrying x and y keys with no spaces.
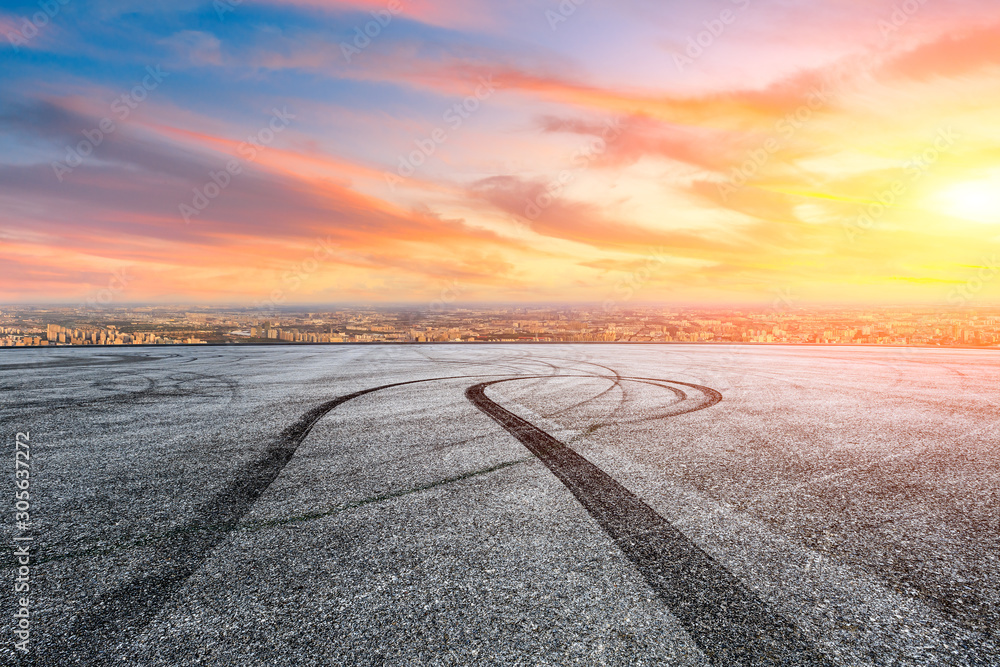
{"x":522,"y":504}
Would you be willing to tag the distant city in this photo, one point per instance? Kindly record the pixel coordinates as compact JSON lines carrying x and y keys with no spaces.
{"x":35,"y":326}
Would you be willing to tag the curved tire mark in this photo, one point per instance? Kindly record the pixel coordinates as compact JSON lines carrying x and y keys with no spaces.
{"x":119,"y":615}
{"x":124,"y":612}
{"x":729,"y":622}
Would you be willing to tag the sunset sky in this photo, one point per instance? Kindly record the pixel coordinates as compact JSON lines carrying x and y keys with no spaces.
{"x":719,"y":151}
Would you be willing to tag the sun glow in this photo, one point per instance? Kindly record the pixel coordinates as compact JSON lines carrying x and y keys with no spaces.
{"x":978,"y":201}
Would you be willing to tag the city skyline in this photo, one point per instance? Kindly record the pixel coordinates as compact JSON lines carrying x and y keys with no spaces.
{"x":781,"y":323}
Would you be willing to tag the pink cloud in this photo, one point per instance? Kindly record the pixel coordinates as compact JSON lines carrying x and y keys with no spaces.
{"x":444,"y":13}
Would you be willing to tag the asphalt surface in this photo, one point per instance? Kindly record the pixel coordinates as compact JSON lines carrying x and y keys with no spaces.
{"x":542,"y":504}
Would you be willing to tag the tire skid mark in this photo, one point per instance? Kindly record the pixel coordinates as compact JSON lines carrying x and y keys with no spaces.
{"x":616,"y":383}
{"x":96,"y":635}
{"x":155,"y":389}
{"x":500,"y":362}
{"x":614,"y":416}
{"x":97,"y":360}
{"x":730,"y":624}
{"x":125,"y":611}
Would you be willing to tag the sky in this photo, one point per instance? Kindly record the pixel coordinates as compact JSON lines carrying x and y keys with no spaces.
{"x":427,"y":151}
